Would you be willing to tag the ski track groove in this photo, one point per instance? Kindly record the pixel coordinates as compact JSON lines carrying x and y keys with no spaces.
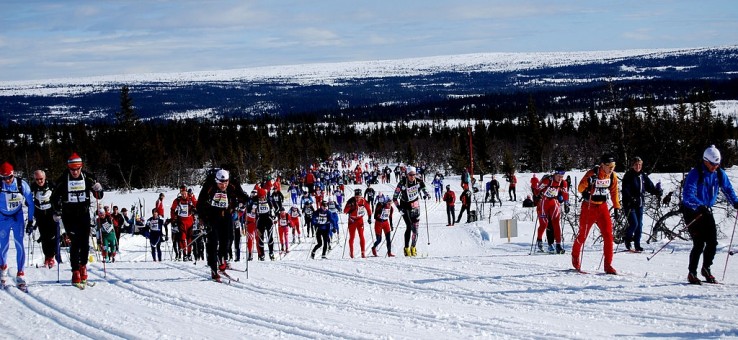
{"x":497,"y":297}
{"x":58,"y":314}
{"x":400,"y":314}
{"x":268,"y":323}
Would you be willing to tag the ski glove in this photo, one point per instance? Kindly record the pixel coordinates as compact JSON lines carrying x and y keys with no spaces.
{"x":566,"y":208}
{"x":735,"y":205}
{"x":616,"y":214}
{"x":56,"y":218}
{"x":560,"y":198}
{"x":30,"y":227}
{"x":97,"y":187}
{"x":704,"y":210}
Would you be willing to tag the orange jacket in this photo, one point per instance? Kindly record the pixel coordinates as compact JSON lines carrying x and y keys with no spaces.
{"x":597,"y":191}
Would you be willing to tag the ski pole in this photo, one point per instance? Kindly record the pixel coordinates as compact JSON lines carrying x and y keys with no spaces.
{"x":427,"y":228}
{"x":667,"y":243}
{"x":730,"y":246}
{"x":533,"y":239}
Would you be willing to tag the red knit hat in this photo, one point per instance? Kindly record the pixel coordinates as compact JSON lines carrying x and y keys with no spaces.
{"x":6,"y":169}
{"x":74,"y":161}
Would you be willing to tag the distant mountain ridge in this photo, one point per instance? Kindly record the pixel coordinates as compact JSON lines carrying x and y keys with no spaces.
{"x":330,"y":88}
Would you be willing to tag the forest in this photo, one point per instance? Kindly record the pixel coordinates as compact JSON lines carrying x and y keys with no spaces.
{"x":127,"y":152}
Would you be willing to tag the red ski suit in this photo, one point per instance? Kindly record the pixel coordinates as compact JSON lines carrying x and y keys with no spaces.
{"x":182,"y":212}
{"x":549,"y":207}
{"x":357,"y":207}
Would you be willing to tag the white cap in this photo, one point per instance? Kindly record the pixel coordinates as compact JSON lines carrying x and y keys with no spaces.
{"x":712,"y":155}
{"x":221,"y":175}
{"x":410,"y":170}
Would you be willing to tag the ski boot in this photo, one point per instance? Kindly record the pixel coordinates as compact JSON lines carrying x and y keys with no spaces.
{"x":407,"y":251}
{"x":413,"y":251}
{"x":271,"y":256}
{"x":389,"y":254}
{"x":610,"y":270}
{"x":251,"y":257}
{"x":363,"y":255}
{"x":214,"y":275}
{"x":374,"y":252}
{"x":560,"y":249}
{"x":261,"y":258}
{"x":539,"y":244}
{"x":693,"y":279}
{"x":627,"y":243}
{"x":312,"y":255}
{"x":20,"y":279}
{"x":83,"y":274}
{"x":324,"y":257}
{"x":550,"y":248}
{"x":708,"y":275}
{"x":638,"y":248}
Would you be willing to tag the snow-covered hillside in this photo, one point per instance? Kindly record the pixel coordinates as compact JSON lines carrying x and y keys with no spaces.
{"x":460,"y":286}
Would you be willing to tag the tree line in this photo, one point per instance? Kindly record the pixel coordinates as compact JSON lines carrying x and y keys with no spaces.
{"x":128,"y":152}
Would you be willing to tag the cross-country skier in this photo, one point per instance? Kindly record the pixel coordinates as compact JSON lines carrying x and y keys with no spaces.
{"x":295,"y":214}
{"x":15,"y":193}
{"x":283,"y":227}
{"x":450,"y":198}
{"x":215,"y":205}
{"x":551,"y":193}
{"x":699,"y":194}
{"x":437,"y":187}
{"x":635,"y":184}
{"x":106,"y":231}
{"x":466,"y":201}
{"x":407,"y":197}
{"x":182,"y":214}
{"x":71,"y":201}
{"x":356,"y":208}
{"x":44,"y":215}
{"x":265,"y":214}
{"x":155,"y":230}
{"x":383,"y":224}
{"x":322,"y":223}
{"x":307,"y":211}
{"x":595,"y":186}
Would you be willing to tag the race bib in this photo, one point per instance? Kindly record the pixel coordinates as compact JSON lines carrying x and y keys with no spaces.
{"x":107,"y":227}
{"x":44,"y":199}
{"x":385,"y":214}
{"x":413,"y":193}
{"x":294,"y":213}
{"x":13,"y":200}
{"x":322,"y":219}
{"x":282,"y":222}
{"x":551,"y":192}
{"x":360,"y":211}
{"x":183,"y":210}
{"x":220,"y":200}
{"x":263,"y":208}
{"x":76,"y":191}
{"x":602,"y":183}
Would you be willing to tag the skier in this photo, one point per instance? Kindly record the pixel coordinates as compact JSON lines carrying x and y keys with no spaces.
{"x":369,"y":195}
{"x":154,"y":227}
{"x":71,"y":201}
{"x":106,"y":232}
{"x":16,"y":193}
{"x":635,"y":184}
{"x":699,"y":194}
{"x":437,"y":187}
{"x":466,"y":198}
{"x":43,"y":215}
{"x":321,"y":222}
{"x":383,"y":224}
{"x":356,"y":208}
{"x":534,"y":183}
{"x":594,"y":187}
{"x":495,"y":190}
{"x":264,"y":224}
{"x":450,"y":198}
{"x":407,"y":201}
{"x":182,"y":213}
{"x":215,"y":206}
{"x":250,"y":220}
{"x":277,"y":198}
{"x":159,"y":204}
{"x":294,"y":214}
{"x":307,"y":211}
{"x":513,"y":180}
{"x":551,"y":192}
{"x":294,"y":193}
{"x":118,"y":223}
{"x":283,"y":227}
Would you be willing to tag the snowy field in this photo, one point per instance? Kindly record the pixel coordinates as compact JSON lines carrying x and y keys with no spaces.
{"x":460,"y":286}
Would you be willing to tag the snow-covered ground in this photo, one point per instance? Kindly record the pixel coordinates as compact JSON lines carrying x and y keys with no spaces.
{"x":460,"y":286}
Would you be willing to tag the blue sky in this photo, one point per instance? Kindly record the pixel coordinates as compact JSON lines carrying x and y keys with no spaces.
{"x":60,"y":39}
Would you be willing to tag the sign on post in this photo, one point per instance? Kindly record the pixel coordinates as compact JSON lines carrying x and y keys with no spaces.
{"x":508,"y":229}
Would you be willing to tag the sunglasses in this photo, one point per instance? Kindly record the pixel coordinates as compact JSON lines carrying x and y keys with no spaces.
{"x":5,"y":178}
{"x":411,"y":175}
{"x":76,"y":169}
{"x":713,"y":164}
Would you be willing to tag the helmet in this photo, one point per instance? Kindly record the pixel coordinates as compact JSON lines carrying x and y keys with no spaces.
{"x":357,"y":192}
{"x":712,"y":155}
